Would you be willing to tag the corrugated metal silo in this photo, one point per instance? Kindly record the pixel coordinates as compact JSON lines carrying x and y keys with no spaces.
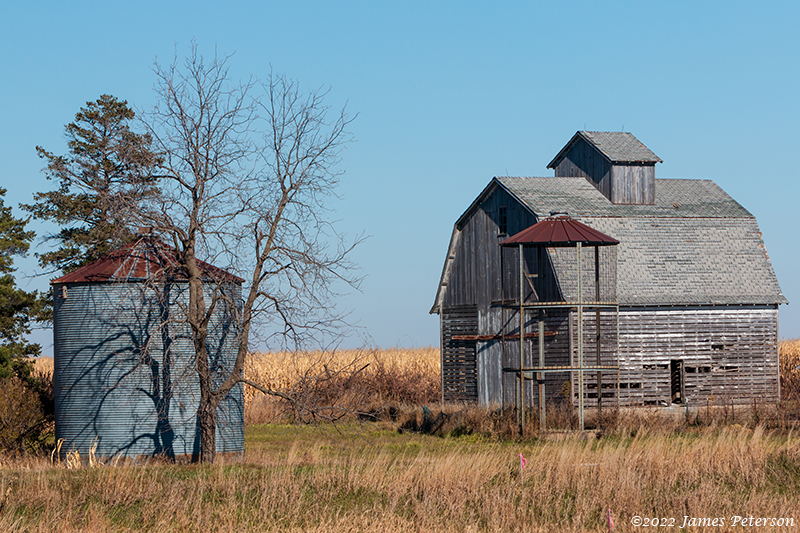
{"x":124,"y":373}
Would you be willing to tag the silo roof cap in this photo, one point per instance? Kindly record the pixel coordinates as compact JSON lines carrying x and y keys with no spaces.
{"x":146,"y":258}
{"x":560,"y":231}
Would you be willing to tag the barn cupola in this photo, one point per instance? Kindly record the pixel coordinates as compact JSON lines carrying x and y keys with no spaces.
{"x":616,"y":163}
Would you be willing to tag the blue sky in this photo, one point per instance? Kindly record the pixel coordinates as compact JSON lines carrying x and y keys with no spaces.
{"x":448,"y":95}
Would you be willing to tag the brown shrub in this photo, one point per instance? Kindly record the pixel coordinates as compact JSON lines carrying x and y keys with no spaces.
{"x":22,"y":418}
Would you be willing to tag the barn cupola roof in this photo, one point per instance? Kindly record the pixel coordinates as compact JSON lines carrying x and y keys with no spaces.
{"x":146,"y":258}
{"x":615,"y":162}
{"x":615,"y":146}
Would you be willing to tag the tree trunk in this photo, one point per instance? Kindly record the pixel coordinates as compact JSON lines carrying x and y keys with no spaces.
{"x":207,"y":419}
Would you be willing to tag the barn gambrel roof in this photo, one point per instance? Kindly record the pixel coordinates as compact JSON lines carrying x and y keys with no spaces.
{"x":695,"y":246}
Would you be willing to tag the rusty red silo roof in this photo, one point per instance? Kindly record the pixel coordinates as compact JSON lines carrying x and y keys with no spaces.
{"x":560,"y":231}
{"x":146,"y":258}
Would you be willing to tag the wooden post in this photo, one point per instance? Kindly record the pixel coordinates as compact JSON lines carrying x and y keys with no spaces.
{"x":540,"y":375}
{"x":502,"y":333}
{"x":521,"y":338}
{"x":598,"y":335}
{"x":580,"y":337}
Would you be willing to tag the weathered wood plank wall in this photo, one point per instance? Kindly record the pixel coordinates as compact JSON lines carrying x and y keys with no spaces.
{"x":729,"y":353}
{"x":622,"y":184}
{"x":633,"y":184}
{"x":474,"y":277}
{"x":585,"y":161}
{"x":473,"y":284}
{"x":459,"y":363}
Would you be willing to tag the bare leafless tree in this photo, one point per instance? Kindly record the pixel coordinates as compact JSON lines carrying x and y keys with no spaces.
{"x":248,"y":170}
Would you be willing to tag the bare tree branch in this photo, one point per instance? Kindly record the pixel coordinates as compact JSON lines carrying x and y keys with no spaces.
{"x":248,"y":170}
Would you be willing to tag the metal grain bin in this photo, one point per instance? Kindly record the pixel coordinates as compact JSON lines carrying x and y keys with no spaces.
{"x":124,"y":372}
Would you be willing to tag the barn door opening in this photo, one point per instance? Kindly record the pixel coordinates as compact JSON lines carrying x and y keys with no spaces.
{"x":677,"y":378}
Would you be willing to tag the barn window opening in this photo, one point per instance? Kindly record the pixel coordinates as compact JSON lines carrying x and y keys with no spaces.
{"x":677,"y":381}
{"x":717,"y":346}
{"x":502,"y":220}
{"x":64,"y":292}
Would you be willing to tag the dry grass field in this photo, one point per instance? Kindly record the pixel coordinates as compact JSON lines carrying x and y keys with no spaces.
{"x":387,"y":476}
{"x":300,"y":478}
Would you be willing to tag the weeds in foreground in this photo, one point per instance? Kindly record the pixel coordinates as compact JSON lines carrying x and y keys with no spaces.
{"x":296,"y":479}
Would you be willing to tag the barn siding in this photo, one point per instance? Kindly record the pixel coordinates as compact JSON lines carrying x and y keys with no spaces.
{"x":494,"y":386}
{"x":459,"y":365}
{"x":584,"y":160}
{"x":633,"y":184}
{"x":472,"y":280}
{"x":730,"y":353}
{"x":608,"y":355}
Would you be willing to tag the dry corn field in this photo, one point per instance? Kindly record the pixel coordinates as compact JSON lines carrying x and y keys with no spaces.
{"x":282,"y":369}
{"x":790,"y":369}
{"x":361,"y":380}
{"x":399,"y":375}
{"x":44,"y":365}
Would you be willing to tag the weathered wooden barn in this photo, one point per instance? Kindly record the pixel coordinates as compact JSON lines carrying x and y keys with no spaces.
{"x":691,"y":299}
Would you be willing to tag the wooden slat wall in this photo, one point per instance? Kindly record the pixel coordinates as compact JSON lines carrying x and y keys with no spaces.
{"x":608,"y":355}
{"x":473,"y":281}
{"x":584,"y":160}
{"x":556,"y":348}
{"x":633,"y":184}
{"x":729,"y":353}
{"x":459,"y":363}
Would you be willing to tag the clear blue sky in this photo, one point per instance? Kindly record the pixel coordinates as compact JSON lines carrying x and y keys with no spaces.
{"x":449,"y":94}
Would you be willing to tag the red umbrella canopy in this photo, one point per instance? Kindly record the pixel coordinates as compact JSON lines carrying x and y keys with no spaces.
{"x":560,"y":231}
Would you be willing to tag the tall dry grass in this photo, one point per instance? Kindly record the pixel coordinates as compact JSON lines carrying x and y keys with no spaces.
{"x":419,"y":483}
{"x":298,"y":479}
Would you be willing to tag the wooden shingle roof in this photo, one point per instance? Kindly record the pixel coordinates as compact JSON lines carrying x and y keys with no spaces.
{"x":695,"y":246}
{"x":616,"y":146}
